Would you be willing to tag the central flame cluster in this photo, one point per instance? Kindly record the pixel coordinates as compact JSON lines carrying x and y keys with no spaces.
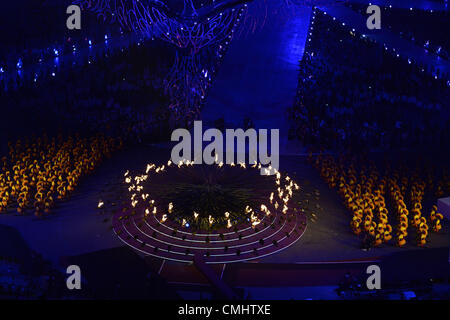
{"x":277,"y":201}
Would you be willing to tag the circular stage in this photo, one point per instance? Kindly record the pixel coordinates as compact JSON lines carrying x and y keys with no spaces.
{"x":217,"y":223}
{"x":168,"y":241}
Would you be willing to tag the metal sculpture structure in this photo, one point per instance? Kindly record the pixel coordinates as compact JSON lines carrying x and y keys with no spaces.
{"x":190,"y":30}
{"x":186,"y":84}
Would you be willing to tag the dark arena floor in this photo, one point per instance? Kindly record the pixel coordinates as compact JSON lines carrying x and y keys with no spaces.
{"x":102,"y":196}
{"x":320,"y":258}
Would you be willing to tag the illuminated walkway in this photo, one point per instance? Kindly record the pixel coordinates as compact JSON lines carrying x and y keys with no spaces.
{"x":404,"y":48}
{"x":419,"y":4}
{"x":258,"y":77}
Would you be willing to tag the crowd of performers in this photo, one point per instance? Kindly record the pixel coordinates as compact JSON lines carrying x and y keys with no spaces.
{"x":119,"y":92}
{"x":354,"y":94}
{"x":421,"y":26}
{"x":385,"y":205}
{"x":38,"y":172}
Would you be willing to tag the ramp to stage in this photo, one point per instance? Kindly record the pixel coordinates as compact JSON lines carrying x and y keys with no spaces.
{"x":259,"y":74}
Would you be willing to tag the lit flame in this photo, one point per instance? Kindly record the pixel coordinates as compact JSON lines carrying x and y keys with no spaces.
{"x":255,"y":223}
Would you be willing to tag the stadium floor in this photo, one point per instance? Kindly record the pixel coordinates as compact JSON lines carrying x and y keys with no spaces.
{"x":81,"y":228}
